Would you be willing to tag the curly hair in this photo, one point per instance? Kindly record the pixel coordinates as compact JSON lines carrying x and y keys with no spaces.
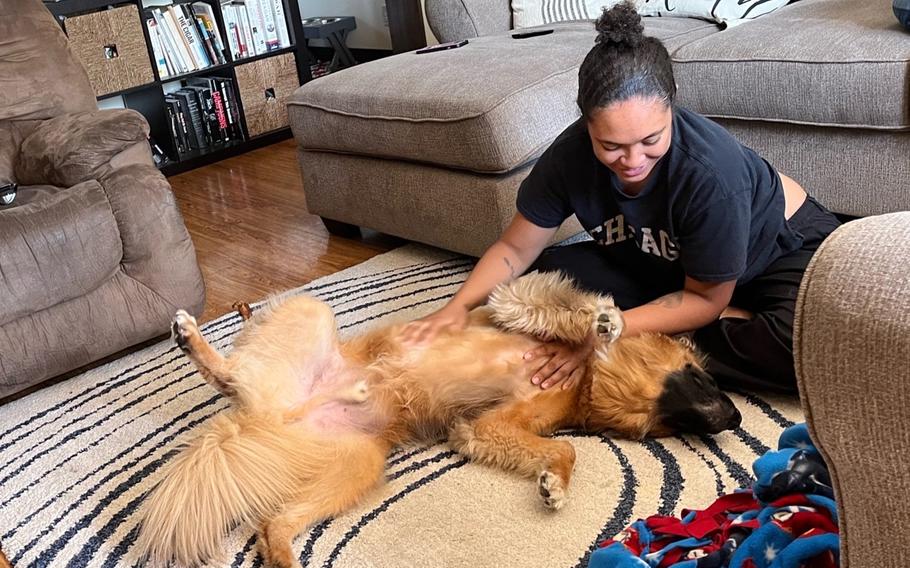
{"x":623,"y":63}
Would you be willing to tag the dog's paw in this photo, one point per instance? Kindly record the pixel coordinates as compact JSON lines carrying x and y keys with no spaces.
{"x":552,"y":490}
{"x":608,"y":321}
{"x":183,"y":328}
{"x":461,"y":436}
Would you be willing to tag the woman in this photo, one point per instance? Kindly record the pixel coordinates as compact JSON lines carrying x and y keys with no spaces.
{"x":685,"y":220}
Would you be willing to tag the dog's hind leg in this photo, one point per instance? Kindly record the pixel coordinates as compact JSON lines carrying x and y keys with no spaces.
{"x":211,"y":364}
{"x":354,"y":470}
{"x":508,"y":437}
{"x":549,"y":306}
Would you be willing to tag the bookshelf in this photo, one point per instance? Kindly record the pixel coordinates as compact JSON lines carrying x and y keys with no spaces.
{"x":133,"y":75}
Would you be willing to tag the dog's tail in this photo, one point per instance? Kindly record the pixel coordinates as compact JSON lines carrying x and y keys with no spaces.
{"x":550,"y":306}
{"x":237,"y":470}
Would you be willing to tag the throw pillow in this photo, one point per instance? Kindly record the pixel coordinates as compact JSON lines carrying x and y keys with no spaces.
{"x":725,"y":12}
{"x":527,"y":13}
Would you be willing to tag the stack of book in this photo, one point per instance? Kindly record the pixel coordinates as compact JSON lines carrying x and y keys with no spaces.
{"x":254,"y":27}
{"x":204,"y":114}
{"x":185,"y":38}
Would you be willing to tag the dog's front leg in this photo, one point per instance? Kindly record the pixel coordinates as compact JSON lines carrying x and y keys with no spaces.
{"x":508,"y":437}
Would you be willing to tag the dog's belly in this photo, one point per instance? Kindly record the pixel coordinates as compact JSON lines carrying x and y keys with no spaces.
{"x":474,"y":367}
{"x":339,"y":418}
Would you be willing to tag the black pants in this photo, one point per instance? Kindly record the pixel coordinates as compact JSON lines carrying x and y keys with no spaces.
{"x":755,"y":353}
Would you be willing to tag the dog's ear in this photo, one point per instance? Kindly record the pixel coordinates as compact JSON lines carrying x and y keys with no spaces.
{"x":691,"y":402}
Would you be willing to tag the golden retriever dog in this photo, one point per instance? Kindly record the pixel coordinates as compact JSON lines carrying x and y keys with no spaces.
{"x":313,"y":418}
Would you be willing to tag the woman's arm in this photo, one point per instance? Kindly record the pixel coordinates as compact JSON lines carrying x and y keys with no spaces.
{"x":693,"y":307}
{"x":506,"y":259}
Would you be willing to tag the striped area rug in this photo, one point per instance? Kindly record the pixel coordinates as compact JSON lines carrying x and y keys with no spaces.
{"x":77,"y":458}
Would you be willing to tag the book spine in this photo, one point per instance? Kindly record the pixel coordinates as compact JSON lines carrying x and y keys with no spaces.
{"x":190,"y":35}
{"x":255,"y":41}
{"x":194,"y":118}
{"x":206,"y":39}
{"x":230,"y":108}
{"x":205,"y":12}
{"x":174,"y":127}
{"x":164,"y":32}
{"x":221,"y":115}
{"x":266,"y":20}
{"x":179,"y":39}
{"x":182,"y":134}
{"x":227,"y":17}
{"x":204,"y":114}
{"x":157,"y":49}
{"x":281,"y":23}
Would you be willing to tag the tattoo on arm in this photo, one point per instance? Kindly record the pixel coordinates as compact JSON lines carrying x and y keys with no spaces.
{"x":511,"y":268}
{"x":672,"y":300}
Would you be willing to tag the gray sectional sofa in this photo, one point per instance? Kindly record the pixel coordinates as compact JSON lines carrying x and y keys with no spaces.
{"x":432,"y":147}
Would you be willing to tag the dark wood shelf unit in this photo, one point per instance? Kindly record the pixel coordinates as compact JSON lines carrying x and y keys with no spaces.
{"x":148,"y":99}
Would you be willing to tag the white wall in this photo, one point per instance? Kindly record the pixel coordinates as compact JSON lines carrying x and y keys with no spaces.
{"x":372,"y":31}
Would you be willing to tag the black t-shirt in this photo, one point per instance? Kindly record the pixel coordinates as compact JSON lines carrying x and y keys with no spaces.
{"x":711,"y":209}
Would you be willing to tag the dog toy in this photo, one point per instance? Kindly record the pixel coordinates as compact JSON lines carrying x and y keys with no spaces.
{"x":788,"y":519}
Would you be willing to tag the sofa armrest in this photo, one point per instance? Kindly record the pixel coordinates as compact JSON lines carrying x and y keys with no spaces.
{"x":852,"y":354}
{"x":453,"y":20}
{"x":72,"y":148}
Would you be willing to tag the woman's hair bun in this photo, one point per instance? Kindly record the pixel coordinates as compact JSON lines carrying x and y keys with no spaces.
{"x":620,"y":25}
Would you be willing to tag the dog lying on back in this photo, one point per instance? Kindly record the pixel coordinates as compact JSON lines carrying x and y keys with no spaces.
{"x":313,"y":418}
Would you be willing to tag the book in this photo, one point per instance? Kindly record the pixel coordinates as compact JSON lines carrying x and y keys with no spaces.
{"x":178,"y":38}
{"x":245,"y":31}
{"x":177,"y":125}
{"x":281,"y":24}
{"x":190,"y":36}
{"x":193,"y":118}
{"x":178,"y":64}
{"x":206,"y":17}
{"x":264,"y":17}
{"x":210,"y":125}
{"x":231,"y":108}
{"x":253,"y":26}
{"x":161,"y":62}
{"x":230,"y":31}
{"x":207,"y":89}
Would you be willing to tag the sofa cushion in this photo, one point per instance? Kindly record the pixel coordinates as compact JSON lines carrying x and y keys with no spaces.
{"x":489,"y":106}
{"x":819,"y":62}
{"x":58,"y":244}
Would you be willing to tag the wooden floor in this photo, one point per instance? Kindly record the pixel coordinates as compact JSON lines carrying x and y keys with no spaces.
{"x":247,"y":217}
{"x":248,"y":220}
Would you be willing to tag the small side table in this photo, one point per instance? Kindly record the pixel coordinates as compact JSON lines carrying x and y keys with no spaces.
{"x":335,"y":30}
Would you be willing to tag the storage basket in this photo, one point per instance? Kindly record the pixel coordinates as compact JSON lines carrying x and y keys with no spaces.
{"x":112,"y":48}
{"x":265,"y":87}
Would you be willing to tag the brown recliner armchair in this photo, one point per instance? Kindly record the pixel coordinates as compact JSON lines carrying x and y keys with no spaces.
{"x":94,"y":255}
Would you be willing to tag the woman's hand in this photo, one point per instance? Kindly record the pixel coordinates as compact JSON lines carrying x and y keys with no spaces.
{"x":557,"y":363}
{"x":451,"y":317}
